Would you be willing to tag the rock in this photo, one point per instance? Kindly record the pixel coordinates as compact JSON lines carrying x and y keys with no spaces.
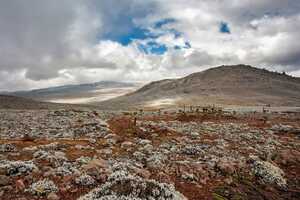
{"x":126,"y":144}
{"x":143,"y":173}
{"x":122,"y":185}
{"x":52,"y":196}
{"x":280,"y":128}
{"x":43,"y":187}
{"x":83,"y":160}
{"x":144,"y":142}
{"x":268,"y":172}
{"x":20,"y":186}
{"x":7,"y":148}
{"x":56,"y":158}
{"x":86,"y":147}
{"x":195,"y":135}
{"x":21,"y":198}
{"x":85,"y":180}
{"x":4,"y":180}
{"x":8,"y":188}
{"x":15,"y":168}
{"x":226,"y":166}
{"x":92,"y":141}
{"x":287,"y":157}
{"x":105,"y":151}
{"x":139,"y":156}
{"x":1,"y":193}
{"x":195,"y":149}
{"x":66,"y":169}
{"x":96,"y":168}
{"x":189,"y":177}
{"x":96,"y":163}
{"x":156,"y":161}
{"x":148,"y":148}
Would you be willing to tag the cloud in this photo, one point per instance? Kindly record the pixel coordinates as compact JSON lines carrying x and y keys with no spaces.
{"x":63,"y":41}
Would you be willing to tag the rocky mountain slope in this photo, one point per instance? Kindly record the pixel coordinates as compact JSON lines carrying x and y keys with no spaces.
{"x":227,"y":85}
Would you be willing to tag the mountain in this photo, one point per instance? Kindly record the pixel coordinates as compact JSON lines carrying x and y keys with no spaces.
{"x":21,"y":103}
{"x":223,"y":85}
{"x":82,"y":93}
{"x":13,"y":102}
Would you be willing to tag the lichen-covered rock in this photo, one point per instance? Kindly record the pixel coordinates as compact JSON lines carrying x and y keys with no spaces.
{"x":16,"y":168}
{"x":85,"y":180}
{"x":4,"y":180}
{"x":7,"y":148}
{"x":86,"y":147}
{"x":83,"y":160}
{"x":43,"y":187}
{"x":268,"y":172}
{"x":156,"y":160}
{"x":123,"y":186}
{"x":195,"y":149}
{"x":66,"y":169}
{"x":52,"y":196}
{"x":139,"y":156}
{"x":56,"y":158}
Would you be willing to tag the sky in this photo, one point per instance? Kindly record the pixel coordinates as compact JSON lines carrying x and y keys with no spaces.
{"x":56,"y":42}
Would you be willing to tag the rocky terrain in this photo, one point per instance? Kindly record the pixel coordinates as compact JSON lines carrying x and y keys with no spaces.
{"x":225,"y":85}
{"x":94,"y":155}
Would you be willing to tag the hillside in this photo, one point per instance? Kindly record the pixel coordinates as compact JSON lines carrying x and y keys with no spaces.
{"x":20,"y":103}
{"x":80,"y":93}
{"x":226,"y":85}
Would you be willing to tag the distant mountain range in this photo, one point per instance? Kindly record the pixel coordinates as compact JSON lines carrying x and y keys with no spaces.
{"x":225,"y":85}
{"x":20,"y":103}
{"x":81,"y":93}
{"x":241,"y":85}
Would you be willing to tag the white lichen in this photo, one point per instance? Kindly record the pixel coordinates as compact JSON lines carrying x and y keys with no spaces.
{"x":43,"y":187}
{"x":122,"y":185}
{"x":268,"y":172}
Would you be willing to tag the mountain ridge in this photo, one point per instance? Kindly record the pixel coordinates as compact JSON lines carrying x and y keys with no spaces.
{"x":77,"y":92}
{"x":229,"y":85}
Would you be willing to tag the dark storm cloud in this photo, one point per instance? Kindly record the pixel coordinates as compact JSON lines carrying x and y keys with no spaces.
{"x":33,"y":32}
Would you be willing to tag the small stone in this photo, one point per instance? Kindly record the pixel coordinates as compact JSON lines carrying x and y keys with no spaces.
{"x":85,"y":180}
{"x":126,"y":144}
{"x":43,"y":187}
{"x":92,"y":140}
{"x":21,"y":198}
{"x":195,"y":135}
{"x":1,"y":193}
{"x":20,"y":186}
{"x":52,"y":196}
{"x":226,"y":167}
{"x":7,"y":188}
{"x":143,"y":173}
{"x":4,"y":180}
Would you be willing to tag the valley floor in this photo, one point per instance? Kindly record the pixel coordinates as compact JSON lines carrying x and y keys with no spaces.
{"x":96,"y":155}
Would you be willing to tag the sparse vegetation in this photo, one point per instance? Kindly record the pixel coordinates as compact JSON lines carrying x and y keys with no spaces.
{"x":191,"y":155}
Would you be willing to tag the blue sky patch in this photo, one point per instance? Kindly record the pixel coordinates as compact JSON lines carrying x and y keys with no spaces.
{"x":163,"y":22}
{"x":153,"y":48}
{"x":224,"y":28}
{"x":132,"y":34}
